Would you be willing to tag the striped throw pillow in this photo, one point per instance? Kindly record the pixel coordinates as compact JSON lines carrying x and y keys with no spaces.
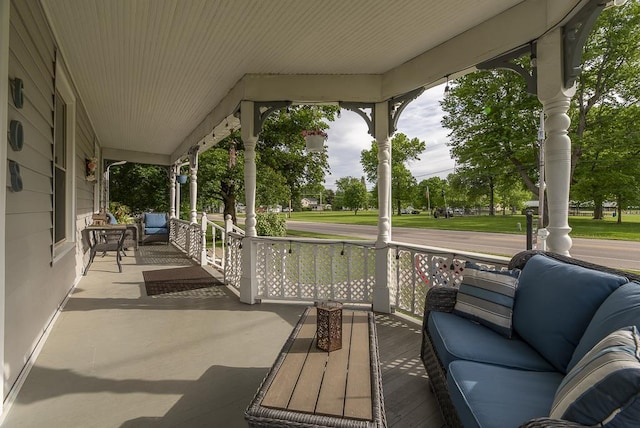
{"x":486,"y":296}
{"x":603,"y":389}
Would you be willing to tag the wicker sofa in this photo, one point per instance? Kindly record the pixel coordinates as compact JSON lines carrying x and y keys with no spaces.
{"x":565,"y":315}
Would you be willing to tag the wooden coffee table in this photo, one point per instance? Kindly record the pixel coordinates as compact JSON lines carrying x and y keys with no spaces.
{"x":308,"y":387}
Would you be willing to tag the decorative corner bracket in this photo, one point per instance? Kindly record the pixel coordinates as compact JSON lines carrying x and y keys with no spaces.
{"x":262,"y":110}
{"x":574,"y":36}
{"x":358,"y":108}
{"x":506,"y":62}
{"x":398,"y":104}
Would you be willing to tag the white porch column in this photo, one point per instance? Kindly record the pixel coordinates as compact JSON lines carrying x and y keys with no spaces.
{"x":555,"y":99}
{"x":248,"y":282}
{"x":172,"y":190}
{"x":177,"y":201}
{"x":381,"y":299}
{"x":193,"y":183}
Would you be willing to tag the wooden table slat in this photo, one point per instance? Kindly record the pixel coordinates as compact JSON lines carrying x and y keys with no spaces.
{"x":332,"y":392}
{"x":283,"y":384}
{"x":358,"y":400}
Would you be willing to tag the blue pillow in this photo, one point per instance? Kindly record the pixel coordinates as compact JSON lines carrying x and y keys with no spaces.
{"x":603,"y":389}
{"x":155,"y":220}
{"x":620,"y":309}
{"x":554,"y":304}
{"x":486,"y":296}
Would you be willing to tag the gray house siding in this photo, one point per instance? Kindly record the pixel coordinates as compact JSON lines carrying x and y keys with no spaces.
{"x":35,"y":285}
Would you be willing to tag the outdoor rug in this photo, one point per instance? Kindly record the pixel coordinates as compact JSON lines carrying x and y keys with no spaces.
{"x":177,"y":279}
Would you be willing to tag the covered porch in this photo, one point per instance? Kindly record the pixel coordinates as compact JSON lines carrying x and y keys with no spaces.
{"x":159,"y":83}
{"x":117,"y":357}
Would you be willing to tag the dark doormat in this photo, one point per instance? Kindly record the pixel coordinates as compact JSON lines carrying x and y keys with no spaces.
{"x":177,"y":279}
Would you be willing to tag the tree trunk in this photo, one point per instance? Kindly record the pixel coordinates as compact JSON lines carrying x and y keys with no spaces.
{"x":491,"y":197}
{"x":619,"y":209}
{"x":597,"y":210}
{"x":228,"y":193}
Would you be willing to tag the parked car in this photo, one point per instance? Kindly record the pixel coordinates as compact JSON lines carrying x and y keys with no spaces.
{"x":441,"y":212}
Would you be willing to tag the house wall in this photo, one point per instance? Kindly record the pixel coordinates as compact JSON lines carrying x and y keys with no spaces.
{"x":36,"y":284}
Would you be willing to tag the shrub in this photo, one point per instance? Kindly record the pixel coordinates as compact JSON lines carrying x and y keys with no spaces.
{"x":270,"y":224}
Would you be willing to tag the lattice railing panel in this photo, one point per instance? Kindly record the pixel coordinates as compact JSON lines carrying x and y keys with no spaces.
{"x":418,"y":269}
{"x":314,"y":271}
{"x":233,"y":263}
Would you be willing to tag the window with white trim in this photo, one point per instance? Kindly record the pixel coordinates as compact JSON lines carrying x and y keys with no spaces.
{"x":63,"y":165}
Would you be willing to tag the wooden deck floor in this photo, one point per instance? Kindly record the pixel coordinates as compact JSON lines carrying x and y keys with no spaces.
{"x":116,"y":357}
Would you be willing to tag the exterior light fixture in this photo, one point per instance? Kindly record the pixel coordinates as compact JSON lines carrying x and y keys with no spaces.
{"x":446,"y":87}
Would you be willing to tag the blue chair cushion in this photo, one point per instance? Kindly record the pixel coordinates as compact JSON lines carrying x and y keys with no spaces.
{"x":457,"y":338}
{"x":491,"y":396}
{"x":486,"y":296}
{"x":156,"y":231}
{"x":152,"y":220}
{"x":555,"y":302}
{"x":112,"y":219}
{"x":620,"y":309}
{"x":603,"y":389}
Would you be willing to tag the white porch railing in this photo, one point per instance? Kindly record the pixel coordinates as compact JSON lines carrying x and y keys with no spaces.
{"x":417,"y":268}
{"x":213,"y":252}
{"x":187,"y":237}
{"x":317,"y":269}
{"x":296,"y":269}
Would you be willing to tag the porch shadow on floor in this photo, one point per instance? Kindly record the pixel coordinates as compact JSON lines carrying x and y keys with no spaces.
{"x":116,"y":357}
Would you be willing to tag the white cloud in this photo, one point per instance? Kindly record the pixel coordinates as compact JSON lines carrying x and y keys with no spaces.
{"x":421,"y":119}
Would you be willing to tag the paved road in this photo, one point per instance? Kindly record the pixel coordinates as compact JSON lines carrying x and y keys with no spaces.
{"x":618,"y":254}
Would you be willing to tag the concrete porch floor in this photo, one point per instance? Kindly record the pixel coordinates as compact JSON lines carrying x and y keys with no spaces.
{"x":118,"y":358}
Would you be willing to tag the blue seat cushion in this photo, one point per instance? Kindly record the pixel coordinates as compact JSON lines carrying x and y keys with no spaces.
{"x":488,"y":396}
{"x":554,"y":304}
{"x":457,"y":338}
{"x":153,"y":220}
{"x":156,"y":231}
{"x":620,"y":309}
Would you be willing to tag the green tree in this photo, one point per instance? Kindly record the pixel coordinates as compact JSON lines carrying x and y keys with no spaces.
{"x":434,"y":186}
{"x":283,"y":165}
{"x":493,"y":121}
{"x":220,"y":176}
{"x":478,"y":108}
{"x":140,"y":187}
{"x":403,"y":151}
{"x":610,"y":164}
{"x":352,"y":193}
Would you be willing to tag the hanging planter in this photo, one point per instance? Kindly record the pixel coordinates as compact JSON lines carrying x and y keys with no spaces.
{"x":315,"y":140}
{"x":182,"y":179}
{"x":91,"y":164}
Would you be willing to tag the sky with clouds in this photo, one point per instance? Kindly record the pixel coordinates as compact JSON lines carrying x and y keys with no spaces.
{"x":420,"y":119}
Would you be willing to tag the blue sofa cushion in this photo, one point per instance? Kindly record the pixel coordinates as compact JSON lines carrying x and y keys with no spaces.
{"x":491,"y":396}
{"x":152,"y":220}
{"x":486,"y":296}
{"x":156,"y":231}
{"x":456,"y":338}
{"x":555,"y":302}
{"x":603,"y":389}
{"x":620,"y":309}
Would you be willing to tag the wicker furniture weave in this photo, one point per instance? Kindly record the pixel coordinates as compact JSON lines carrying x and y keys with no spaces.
{"x":443,"y":299}
{"x":336,"y":381}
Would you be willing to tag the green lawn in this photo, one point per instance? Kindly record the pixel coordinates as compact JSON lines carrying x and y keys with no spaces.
{"x":583,"y":227}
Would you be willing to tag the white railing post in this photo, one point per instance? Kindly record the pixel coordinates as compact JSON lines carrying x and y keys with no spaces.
{"x":203,"y":252}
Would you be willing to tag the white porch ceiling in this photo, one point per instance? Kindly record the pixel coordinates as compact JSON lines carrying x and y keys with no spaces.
{"x":150,"y":72}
